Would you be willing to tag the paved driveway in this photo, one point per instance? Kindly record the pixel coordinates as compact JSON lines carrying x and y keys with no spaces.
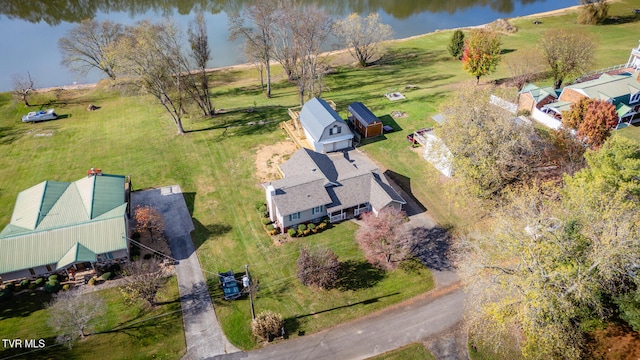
{"x":202,"y":331}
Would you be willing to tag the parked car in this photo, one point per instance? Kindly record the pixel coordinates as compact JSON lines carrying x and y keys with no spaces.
{"x":42,"y":115}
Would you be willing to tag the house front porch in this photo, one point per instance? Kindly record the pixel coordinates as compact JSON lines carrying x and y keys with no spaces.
{"x":349,"y":213}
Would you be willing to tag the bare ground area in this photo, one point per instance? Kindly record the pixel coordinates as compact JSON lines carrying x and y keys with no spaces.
{"x":268,"y":158}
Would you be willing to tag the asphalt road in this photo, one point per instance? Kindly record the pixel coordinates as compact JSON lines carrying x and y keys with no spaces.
{"x":432,"y":318}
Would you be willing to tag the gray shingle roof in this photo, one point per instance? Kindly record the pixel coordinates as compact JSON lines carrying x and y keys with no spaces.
{"x":337,"y":180}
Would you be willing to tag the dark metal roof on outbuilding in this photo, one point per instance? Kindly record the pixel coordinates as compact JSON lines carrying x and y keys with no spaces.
{"x":362,"y":114}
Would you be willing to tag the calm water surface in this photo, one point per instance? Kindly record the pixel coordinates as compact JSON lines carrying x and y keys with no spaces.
{"x":29,"y":30}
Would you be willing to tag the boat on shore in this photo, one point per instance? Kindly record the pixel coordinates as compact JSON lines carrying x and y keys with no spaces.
{"x":42,"y":115}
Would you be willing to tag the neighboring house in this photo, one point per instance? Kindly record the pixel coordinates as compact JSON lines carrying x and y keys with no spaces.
{"x":340,"y":185}
{"x":364,"y":120}
{"x":622,"y":90}
{"x":58,"y":226}
{"x":324,"y":128}
{"x":634,"y":58}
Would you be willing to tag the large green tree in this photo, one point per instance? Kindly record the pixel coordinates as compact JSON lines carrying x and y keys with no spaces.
{"x":490,"y":150}
{"x":481,"y":53}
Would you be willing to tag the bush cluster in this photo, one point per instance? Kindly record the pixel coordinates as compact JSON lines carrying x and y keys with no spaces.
{"x":307,"y":229}
{"x":267,"y":325}
{"x":39,"y":282}
{"x":24,"y":283}
{"x":106,"y":276}
{"x":318,"y":267}
{"x":5,"y":294}
{"x":52,"y":286}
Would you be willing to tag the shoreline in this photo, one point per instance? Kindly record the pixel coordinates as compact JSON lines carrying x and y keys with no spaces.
{"x":244,"y":66}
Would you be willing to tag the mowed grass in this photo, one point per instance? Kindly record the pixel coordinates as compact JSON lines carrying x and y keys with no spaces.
{"x":415,"y":351}
{"x":125,"y":332}
{"x":214,"y":165}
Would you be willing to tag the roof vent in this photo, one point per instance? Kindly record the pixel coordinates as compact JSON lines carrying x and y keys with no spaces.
{"x":313,"y":170}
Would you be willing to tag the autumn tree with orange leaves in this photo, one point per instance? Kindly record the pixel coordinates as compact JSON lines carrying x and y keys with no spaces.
{"x":148,"y":219}
{"x":592,"y":119}
{"x":481,"y":54}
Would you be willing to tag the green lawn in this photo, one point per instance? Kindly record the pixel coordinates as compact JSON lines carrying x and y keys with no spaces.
{"x":125,"y":332}
{"x":415,"y":351}
{"x":214,"y":165}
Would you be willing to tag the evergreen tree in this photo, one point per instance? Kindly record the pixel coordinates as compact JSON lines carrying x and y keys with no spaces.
{"x":456,"y":45}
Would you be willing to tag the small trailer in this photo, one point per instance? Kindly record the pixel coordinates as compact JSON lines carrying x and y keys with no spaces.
{"x":229,"y":285}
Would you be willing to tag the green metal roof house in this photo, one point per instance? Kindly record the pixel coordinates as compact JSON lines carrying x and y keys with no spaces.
{"x":58,"y":225}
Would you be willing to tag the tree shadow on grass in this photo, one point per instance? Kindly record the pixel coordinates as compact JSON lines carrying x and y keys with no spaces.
{"x":24,"y":304}
{"x":358,"y":275}
{"x":202,"y":232}
{"x":9,"y":134}
{"x":432,"y":246}
{"x":363,"y":302}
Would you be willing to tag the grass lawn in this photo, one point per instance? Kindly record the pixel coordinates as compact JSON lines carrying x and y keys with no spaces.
{"x":125,"y":332}
{"x":415,"y":351}
{"x":214,"y":165}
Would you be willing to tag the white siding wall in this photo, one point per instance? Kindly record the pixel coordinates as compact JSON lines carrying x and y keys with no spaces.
{"x":548,"y":121}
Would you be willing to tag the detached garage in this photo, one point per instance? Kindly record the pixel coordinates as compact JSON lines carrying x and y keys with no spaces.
{"x":364,"y":121}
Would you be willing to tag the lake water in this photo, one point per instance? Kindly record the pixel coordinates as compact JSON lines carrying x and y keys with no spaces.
{"x":29,"y":30}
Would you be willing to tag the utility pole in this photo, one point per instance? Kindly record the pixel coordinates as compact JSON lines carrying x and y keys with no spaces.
{"x":253,"y":312}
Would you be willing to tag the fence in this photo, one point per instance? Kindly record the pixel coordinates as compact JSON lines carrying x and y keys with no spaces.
{"x":546,"y":120}
{"x":504,"y":104}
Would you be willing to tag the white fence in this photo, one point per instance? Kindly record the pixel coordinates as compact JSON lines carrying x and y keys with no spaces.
{"x":546,"y":120}
{"x":504,"y":104}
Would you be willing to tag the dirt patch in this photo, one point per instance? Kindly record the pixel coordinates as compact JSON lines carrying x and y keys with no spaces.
{"x":268,"y":158}
{"x":615,"y":342}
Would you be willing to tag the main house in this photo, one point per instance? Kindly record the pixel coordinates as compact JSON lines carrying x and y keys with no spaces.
{"x":58,"y":226}
{"x":340,"y":185}
{"x":324,"y":128}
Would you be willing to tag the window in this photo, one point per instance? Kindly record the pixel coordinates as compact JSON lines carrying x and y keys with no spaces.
{"x":294,"y":216}
{"x":49,"y":268}
{"x":635,"y":97}
{"x":32,"y":272}
{"x":316,"y":210}
{"x":335,"y":130}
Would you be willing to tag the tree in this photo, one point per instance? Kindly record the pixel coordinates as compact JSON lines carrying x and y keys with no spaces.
{"x":363,"y":36}
{"x":73,"y":314}
{"x":89,"y":45}
{"x":543,"y":269}
{"x":456,"y":44}
{"x":567,"y":53}
{"x":201,"y":54}
{"x":524,"y":66}
{"x":384,"y":238}
{"x":593,"y":12}
{"x":593,"y":120}
{"x":142,"y":280}
{"x":490,"y":150}
{"x":318,"y":267}
{"x":147,"y":218}
{"x":284,"y":49}
{"x":481,"y":53}
{"x":23,"y":87}
{"x":258,"y":34}
{"x":310,"y":28}
{"x":151,"y":53}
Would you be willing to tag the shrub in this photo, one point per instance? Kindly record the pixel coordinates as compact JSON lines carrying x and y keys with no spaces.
{"x":10,"y":286}
{"x":262,"y":208}
{"x":312,"y":227}
{"x":5,"y":294}
{"x":24,"y":283}
{"x":66,"y":287}
{"x":39,"y":282}
{"x":53,"y":277}
{"x":306,"y":232}
{"x":92,"y":281}
{"x":302,"y":227}
{"x":318,"y":267}
{"x":272,"y":232}
{"x":271,"y":227}
{"x":267,"y":325}
{"x":106,"y":276}
{"x":322,"y":226}
{"x":292,"y":232}
{"x":265,"y":221}
{"x":260,"y":204}
{"x":52,"y":286}
{"x":147,"y":256}
{"x":32,"y":286}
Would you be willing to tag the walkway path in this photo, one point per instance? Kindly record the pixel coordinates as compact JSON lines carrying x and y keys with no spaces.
{"x":202,"y":331}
